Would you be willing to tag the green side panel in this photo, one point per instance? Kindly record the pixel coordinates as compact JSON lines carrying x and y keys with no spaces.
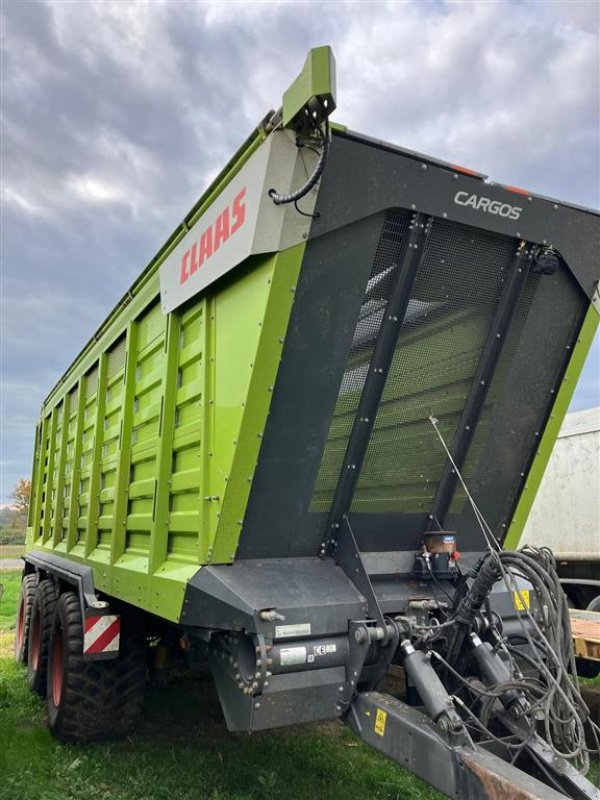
{"x":561,"y":405}
{"x":238,"y":336}
{"x":143,"y":468}
{"x":281,"y":276}
{"x":73,"y":464}
{"x":59,"y":492}
{"x":95,"y":465}
{"x":38,"y":478}
{"x":115,"y":491}
{"x":34,"y":472}
{"x":50,"y":476}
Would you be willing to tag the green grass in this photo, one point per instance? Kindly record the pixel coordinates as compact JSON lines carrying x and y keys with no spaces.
{"x":11,"y":550}
{"x":182,"y":751}
{"x":12,"y":537}
{"x":10,"y":581}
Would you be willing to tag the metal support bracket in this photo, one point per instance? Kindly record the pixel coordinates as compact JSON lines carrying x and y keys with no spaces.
{"x":361,"y":636}
{"x":348,"y":557}
{"x":77,"y":575}
{"x":312,"y":94}
{"x":461,"y":771}
{"x":363,"y":633}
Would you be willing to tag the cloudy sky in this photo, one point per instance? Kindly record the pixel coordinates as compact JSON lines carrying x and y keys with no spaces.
{"x":117,"y":115}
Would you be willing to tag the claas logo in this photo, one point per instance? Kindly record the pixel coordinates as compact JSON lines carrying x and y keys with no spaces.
{"x":227,"y":223}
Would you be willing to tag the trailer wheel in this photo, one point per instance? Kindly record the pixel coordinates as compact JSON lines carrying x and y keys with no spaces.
{"x":24,"y":607}
{"x":594,"y":605}
{"x":92,"y":700}
{"x":40,"y":624}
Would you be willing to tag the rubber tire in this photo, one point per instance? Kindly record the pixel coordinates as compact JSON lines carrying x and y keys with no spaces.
{"x":594,"y":604}
{"x":24,"y":607}
{"x":96,"y":699}
{"x":40,"y":625}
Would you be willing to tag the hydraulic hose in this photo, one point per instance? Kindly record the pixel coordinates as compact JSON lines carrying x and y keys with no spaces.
{"x":487,"y":574}
{"x":293,"y":197}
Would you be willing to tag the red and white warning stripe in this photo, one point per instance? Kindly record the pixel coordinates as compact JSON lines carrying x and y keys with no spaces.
{"x":102,"y":634}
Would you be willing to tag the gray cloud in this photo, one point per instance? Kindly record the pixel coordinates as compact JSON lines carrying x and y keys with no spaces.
{"x":117,"y":115}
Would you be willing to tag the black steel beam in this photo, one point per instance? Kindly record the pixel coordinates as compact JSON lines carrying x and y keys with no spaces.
{"x":410,"y":256}
{"x":447,"y":761}
{"x":348,"y":557}
{"x":558,"y":772}
{"x":494,"y":343}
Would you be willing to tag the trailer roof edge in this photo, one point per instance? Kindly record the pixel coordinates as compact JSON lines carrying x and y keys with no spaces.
{"x":426,"y":159}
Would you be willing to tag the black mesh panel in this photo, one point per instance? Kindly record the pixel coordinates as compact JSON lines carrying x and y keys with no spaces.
{"x":438,"y":350}
{"x":381,"y":280}
{"x":472,"y":462}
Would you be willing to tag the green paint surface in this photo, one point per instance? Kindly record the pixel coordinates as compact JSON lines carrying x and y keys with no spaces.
{"x":143,"y":468}
{"x":317,"y":79}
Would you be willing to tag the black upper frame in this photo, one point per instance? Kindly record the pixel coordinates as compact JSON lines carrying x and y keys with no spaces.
{"x":361,"y":182}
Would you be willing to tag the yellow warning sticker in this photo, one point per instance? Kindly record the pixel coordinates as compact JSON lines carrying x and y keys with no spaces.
{"x":380,"y":720}
{"x":521,"y":599}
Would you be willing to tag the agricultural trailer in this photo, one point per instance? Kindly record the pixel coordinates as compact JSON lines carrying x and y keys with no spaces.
{"x":295,"y":448}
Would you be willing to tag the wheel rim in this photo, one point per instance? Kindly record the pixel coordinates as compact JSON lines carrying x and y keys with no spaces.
{"x":57,"y":666}
{"x":36,"y":644}
{"x":21,"y":626}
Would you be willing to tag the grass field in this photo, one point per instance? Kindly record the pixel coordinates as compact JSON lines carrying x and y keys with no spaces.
{"x":10,"y":582}
{"x":182,"y":751}
{"x":11,"y":550}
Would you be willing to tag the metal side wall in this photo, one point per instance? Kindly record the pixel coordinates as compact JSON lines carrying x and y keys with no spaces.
{"x":145,"y":457}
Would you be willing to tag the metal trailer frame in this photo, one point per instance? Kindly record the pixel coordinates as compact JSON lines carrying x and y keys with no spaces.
{"x":160,"y":451}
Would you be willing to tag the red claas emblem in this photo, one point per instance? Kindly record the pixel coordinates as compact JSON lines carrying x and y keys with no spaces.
{"x":227,"y":223}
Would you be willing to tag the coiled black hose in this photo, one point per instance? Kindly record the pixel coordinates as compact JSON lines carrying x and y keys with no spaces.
{"x":293,"y":197}
{"x":566,"y":718}
{"x":487,"y":573}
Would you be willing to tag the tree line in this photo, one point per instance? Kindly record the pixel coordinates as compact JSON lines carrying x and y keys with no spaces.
{"x":13,"y":518}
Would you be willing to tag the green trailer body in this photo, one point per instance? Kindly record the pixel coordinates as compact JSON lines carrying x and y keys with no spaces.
{"x":143,"y":459}
{"x":248,"y":449}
